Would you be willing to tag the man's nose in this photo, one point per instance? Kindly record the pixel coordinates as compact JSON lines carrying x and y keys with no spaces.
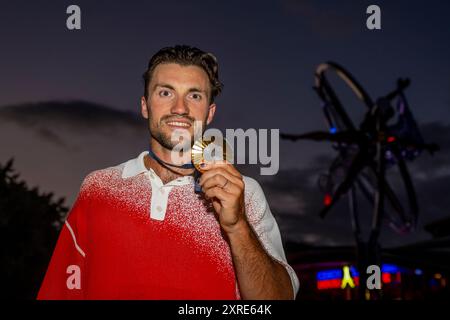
{"x":180,"y":107}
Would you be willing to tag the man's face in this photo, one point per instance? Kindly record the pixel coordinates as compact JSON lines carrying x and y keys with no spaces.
{"x":177,"y":96}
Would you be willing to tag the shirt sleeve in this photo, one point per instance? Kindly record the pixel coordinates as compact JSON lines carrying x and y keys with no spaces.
{"x":266,"y":227}
{"x":64,"y":279}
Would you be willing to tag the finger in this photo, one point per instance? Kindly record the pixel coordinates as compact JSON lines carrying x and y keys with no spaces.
{"x":233,"y":169}
{"x":223,"y":183}
{"x":217,"y":192}
{"x":215,"y":180}
{"x":221,"y":164}
{"x":220,"y":171}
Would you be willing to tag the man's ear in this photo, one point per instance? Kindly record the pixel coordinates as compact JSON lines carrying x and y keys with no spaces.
{"x":211,"y":111}
{"x":144,"y":109}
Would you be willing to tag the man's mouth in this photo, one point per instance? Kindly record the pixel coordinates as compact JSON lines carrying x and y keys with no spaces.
{"x":178,"y":124}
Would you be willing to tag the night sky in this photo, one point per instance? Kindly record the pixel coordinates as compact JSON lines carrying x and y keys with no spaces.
{"x":267,"y":53}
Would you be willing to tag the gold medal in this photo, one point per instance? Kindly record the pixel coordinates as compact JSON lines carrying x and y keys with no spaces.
{"x":207,"y":150}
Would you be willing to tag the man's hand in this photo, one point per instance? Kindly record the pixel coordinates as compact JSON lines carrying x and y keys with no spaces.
{"x":223,"y":184}
{"x":259,"y":276}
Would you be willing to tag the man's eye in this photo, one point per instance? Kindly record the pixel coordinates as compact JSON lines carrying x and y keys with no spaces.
{"x":196,"y":96}
{"x":165,"y":93}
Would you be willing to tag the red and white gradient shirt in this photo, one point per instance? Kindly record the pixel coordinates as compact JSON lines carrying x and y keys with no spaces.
{"x":129,"y":236}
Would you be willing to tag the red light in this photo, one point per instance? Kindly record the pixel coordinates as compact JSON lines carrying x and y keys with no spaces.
{"x":333,"y":283}
{"x":329,"y":284}
{"x":390,"y":139}
{"x":386,"y":277}
{"x":327,"y":200}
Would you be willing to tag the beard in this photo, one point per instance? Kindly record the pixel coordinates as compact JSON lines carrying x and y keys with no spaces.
{"x":165,"y":140}
{"x":178,"y":139}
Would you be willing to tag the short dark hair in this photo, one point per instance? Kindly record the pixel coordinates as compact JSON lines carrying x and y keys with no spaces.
{"x":186,"y":56}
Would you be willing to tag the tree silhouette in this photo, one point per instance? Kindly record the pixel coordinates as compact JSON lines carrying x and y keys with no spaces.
{"x":29,"y":228}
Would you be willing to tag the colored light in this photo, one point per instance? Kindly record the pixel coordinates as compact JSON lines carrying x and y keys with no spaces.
{"x":329,"y":274}
{"x":354,"y":272}
{"x":347,"y":278}
{"x":386,"y":277}
{"x":418,"y":272}
{"x":389,"y":268}
{"x":390,"y":139}
{"x":327,"y":200}
{"x":333,"y":130}
{"x":329,"y":284}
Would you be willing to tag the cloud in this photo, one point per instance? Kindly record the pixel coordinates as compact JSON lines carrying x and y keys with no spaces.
{"x":56,"y":144}
{"x":434,"y":132}
{"x":73,"y":113}
{"x":48,"y":135}
{"x":56,"y":121}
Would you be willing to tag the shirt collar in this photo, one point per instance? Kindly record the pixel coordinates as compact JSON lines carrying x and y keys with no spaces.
{"x":136,"y":166}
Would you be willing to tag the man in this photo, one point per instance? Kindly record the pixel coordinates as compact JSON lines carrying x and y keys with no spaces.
{"x":139,"y":230}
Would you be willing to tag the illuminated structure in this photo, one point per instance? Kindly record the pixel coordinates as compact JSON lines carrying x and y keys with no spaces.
{"x":387,"y":137}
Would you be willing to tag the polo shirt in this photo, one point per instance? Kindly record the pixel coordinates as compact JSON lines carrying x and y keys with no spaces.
{"x":130,"y":236}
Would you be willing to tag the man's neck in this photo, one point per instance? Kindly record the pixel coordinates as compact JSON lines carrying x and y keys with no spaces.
{"x":165,"y":174}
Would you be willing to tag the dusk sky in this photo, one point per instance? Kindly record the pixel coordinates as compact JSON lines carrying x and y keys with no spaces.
{"x":267,"y":52}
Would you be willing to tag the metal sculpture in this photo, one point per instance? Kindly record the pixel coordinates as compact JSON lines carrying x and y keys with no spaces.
{"x":387,"y":137}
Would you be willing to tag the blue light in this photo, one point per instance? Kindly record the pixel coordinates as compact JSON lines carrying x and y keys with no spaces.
{"x":329,"y":274}
{"x":418,"y":272}
{"x":333,"y":274}
{"x":433,"y":282}
{"x":389,"y":268}
{"x":333,"y":130}
{"x":354,"y":272}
